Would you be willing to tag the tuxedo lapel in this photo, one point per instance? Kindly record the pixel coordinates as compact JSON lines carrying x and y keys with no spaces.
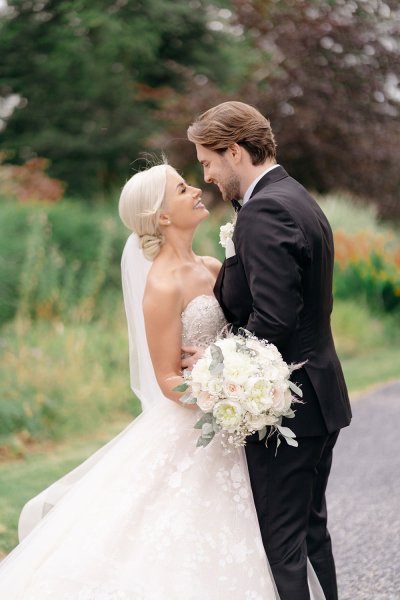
{"x":271,"y":177}
{"x":218,"y":284}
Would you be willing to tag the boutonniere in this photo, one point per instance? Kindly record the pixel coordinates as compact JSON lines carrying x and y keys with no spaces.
{"x":226,"y":232}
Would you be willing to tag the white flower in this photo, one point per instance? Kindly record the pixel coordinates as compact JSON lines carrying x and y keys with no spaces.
{"x":257,"y":422}
{"x":238,"y":367}
{"x":271,"y":419}
{"x":225,"y":233}
{"x":233,"y":390}
{"x":228,"y":414}
{"x":201,"y":373}
{"x":258,"y":395}
{"x":280,"y":399}
{"x":215,"y":386}
{"x":205,"y":402}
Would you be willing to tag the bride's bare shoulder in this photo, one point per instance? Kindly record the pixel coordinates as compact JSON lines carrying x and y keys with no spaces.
{"x":212,"y":264}
{"x":163,"y":288}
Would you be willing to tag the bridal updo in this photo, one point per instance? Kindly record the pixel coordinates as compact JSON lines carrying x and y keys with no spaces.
{"x":140,"y":204}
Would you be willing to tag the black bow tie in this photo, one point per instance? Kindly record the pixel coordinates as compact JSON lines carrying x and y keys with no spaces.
{"x":236,"y":205}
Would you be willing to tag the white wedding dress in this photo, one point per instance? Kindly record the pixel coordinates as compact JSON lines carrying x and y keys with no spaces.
{"x":149,"y":516}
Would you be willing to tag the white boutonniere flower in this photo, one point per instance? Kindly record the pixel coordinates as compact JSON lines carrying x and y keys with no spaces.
{"x":226,"y":233}
{"x":225,"y":238}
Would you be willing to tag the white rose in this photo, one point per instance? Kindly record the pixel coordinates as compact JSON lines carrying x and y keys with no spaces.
{"x":256,"y":422}
{"x":227,"y":345}
{"x":258,"y":395}
{"x":233,"y":390}
{"x":279,"y":399}
{"x":201,"y":373}
{"x":214,"y":386}
{"x":228,"y":414}
{"x":238,"y":368}
{"x":196,"y":388}
{"x":288,"y":399}
{"x":225,"y":233}
{"x":205,"y":402}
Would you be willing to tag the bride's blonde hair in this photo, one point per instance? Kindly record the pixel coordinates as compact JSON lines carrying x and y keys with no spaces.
{"x":140,"y":204}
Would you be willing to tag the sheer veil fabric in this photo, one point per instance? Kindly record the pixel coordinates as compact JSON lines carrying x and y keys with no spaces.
{"x":135,"y":268}
{"x":149,"y":515}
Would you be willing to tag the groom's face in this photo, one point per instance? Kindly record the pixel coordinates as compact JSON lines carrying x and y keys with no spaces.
{"x":218,"y":169}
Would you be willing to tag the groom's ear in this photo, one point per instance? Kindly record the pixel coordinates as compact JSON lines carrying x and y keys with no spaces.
{"x":235,"y":152}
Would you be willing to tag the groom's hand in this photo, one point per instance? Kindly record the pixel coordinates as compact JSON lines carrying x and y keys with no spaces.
{"x":192,"y":355}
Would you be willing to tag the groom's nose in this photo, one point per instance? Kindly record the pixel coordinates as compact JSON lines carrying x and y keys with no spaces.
{"x":208,"y":178}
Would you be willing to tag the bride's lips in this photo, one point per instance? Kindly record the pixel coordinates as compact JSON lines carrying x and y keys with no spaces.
{"x":198,"y":204}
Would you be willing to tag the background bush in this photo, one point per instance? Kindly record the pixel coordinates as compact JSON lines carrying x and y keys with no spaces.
{"x":58,"y":260}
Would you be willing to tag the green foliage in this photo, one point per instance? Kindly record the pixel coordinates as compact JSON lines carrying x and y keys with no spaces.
{"x":368,"y":344}
{"x":57,"y":381}
{"x":90,"y":77}
{"x":367,"y":254}
{"x":58,"y":260}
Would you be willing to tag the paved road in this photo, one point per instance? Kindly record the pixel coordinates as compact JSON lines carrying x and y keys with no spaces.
{"x":364,"y":499}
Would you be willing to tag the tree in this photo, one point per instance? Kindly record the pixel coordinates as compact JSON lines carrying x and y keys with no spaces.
{"x":330,"y":86}
{"x":92,"y":76}
{"x":326,"y":73}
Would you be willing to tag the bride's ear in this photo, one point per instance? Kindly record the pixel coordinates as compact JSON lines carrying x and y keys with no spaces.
{"x":164,"y":220}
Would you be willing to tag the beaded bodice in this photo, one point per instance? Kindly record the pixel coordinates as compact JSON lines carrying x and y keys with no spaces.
{"x":202,"y":321}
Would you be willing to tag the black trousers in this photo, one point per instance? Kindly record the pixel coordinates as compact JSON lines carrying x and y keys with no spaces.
{"x":289,"y":494}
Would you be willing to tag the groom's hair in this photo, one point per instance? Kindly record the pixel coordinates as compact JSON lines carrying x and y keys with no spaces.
{"x":234,"y":123}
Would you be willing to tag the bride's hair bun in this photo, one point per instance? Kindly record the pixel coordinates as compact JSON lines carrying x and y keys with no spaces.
{"x":140,"y":205}
{"x":151,"y":245}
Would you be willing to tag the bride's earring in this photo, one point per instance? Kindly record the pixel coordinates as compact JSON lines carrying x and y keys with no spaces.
{"x":165,"y":220}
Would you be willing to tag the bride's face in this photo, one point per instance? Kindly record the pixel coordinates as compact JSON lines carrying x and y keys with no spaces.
{"x":183,"y":207}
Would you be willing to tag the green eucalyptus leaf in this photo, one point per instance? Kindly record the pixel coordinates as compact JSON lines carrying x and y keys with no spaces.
{"x":182,"y":387}
{"x":188,"y":399}
{"x":206,"y":418}
{"x":203,"y":441}
{"x":207,"y":430}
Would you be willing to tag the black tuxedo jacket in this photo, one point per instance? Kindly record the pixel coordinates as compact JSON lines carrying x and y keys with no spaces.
{"x":279,"y":287}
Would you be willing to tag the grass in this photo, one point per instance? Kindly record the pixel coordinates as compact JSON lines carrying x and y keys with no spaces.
{"x":61,"y":380}
{"x":368,"y":345}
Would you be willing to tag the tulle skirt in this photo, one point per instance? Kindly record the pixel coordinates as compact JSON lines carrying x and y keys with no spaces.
{"x":149,"y":516}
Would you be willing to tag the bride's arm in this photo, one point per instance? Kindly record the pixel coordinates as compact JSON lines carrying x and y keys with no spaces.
{"x":162,"y":305}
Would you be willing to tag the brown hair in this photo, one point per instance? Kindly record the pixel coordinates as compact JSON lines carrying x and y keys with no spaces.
{"x":234,"y":122}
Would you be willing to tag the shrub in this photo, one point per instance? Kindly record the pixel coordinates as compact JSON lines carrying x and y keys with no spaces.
{"x":29,"y":182}
{"x":58,"y":260}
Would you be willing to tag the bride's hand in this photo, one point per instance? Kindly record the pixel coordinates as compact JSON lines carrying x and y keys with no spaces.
{"x":193,"y":354}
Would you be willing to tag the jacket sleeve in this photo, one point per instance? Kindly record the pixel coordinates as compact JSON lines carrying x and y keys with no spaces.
{"x":273,"y":251}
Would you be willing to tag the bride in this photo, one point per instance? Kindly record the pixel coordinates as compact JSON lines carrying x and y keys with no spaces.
{"x":150,"y":516}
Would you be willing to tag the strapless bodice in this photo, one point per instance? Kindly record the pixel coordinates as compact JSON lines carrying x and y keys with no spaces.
{"x":202,"y":321}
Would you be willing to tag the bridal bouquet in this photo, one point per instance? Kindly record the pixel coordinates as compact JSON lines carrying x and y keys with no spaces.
{"x":241,"y":384}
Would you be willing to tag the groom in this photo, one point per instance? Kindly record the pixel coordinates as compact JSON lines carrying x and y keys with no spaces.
{"x":278,"y":284}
